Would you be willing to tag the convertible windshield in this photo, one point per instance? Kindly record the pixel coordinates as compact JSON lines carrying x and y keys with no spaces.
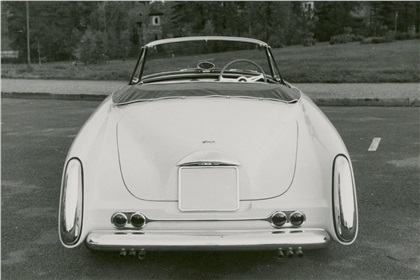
{"x":206,"y":58}
{"x":159,"y":91}
{"x":206,"y":67}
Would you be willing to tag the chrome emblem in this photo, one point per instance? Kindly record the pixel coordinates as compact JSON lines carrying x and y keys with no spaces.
{"x":209,"y":142}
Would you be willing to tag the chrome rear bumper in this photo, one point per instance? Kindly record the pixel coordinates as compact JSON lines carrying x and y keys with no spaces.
{"x":220,"y":240}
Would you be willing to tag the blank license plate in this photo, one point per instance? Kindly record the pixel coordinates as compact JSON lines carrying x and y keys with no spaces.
{"x":208,"y":188}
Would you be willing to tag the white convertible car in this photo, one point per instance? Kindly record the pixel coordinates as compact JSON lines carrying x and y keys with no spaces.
{"x":207,"y":148}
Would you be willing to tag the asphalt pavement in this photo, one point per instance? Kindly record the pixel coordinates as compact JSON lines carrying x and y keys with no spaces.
{"x":357,"y":94}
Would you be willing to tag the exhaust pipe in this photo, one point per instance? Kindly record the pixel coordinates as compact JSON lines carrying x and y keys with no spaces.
{"x":280,"y":254}
{"x":123,"y":254}
{"x":132,"y":254}
{"x":299,"y":252}
{"x":290,"y":253}
{"x":142,"y":254}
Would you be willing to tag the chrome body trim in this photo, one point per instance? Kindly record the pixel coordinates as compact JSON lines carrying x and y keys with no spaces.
{"x":267,"y":219}
{"x":205,"y":38}
{"x":199,"y":240}
{"x":208,"y":156}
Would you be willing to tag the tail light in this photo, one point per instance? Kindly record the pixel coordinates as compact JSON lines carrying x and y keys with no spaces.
{"x":278,"y":219}
{"x":297,"y":218}
{"x":119,"y":220}
{"x":71,"y":203}
{"x":137,"y":220}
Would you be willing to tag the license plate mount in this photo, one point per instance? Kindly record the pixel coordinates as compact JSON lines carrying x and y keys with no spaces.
{"x":214,"y":188}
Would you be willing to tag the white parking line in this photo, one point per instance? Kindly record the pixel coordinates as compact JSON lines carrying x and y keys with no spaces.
{"x":375,"y":143}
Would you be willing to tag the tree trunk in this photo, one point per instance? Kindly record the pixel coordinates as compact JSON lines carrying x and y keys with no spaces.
{"x":39,"y":52}
{"x":28,"y":42}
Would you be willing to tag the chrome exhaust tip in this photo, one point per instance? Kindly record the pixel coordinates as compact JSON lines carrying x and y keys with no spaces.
{"x":280,"y":254}
{"x":132,"y":254}
{"x":299,"y":252}
{"x":142,"y":254}
{"x":123,"y":254}
{"x":290,"y":253}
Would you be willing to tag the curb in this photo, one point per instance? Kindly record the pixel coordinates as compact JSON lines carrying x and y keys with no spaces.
{"x":388,"y":102}
{"x":44,"y":95}
{"x":374,"y":102}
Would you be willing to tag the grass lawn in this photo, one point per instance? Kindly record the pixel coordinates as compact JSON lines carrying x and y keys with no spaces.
{"x":350,"y":63}
{"x":324,"y":63}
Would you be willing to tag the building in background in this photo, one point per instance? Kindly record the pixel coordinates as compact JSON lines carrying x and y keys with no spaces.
{"x":308,"y":8}
{"x":150,"y":22}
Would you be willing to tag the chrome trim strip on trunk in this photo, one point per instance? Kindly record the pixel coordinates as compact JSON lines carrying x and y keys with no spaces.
{"x":208,"y":157}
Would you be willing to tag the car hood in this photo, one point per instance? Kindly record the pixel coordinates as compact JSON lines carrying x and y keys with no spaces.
{"x":155,"y":139}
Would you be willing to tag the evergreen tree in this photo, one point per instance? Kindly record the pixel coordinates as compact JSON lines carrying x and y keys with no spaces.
{"x":333,"y":17}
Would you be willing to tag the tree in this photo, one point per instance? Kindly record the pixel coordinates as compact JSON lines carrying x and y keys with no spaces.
{"x":88,"y":52}
{"x":267,"y":20}
{"x":16,"y":20}
{"x":51,"y":28}
{"x":397,"y":16}
{"x":93,"y":47}
{"x":56,"y":28}
{"x":333,"y":17}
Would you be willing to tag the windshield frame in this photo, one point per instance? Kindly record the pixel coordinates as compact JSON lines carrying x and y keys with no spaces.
{"x":137,"y":75}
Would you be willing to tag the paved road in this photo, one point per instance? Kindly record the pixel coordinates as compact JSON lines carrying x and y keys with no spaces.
{"x":36,"y":135}
{"x":390,"y":94}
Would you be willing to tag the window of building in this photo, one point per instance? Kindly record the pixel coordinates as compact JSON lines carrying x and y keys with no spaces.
{"x":155,"y":20}
{"x":308,"y":6}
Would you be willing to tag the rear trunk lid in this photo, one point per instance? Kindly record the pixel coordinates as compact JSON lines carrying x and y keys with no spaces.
{"x":160,"y":141}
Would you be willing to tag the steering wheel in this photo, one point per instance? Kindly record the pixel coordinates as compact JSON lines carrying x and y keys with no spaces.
{"x":243,"y":78}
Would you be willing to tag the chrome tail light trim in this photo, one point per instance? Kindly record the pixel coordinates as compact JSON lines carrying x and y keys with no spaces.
{"x":71,"y":203}
{"x":344,"y":201}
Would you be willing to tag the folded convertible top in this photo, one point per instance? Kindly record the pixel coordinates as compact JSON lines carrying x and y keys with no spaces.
{"x":147,"y":92}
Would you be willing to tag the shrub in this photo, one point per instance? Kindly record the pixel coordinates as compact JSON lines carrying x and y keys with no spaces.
{"x":358,"y":38}
{"x":276,"y":42}
{"x":389,"y":37}
{"x":402,"y":36}
{"x":309,"y":39}
{"x":382,"y":30}
{"x":373,"y":40}
{"x":412,"y":32}
{"x":342,"y":39}
{"x":5,"y":60}
{"x":407,"y":36}
{"x":345,"y":38}
{"x":378,"y":40}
